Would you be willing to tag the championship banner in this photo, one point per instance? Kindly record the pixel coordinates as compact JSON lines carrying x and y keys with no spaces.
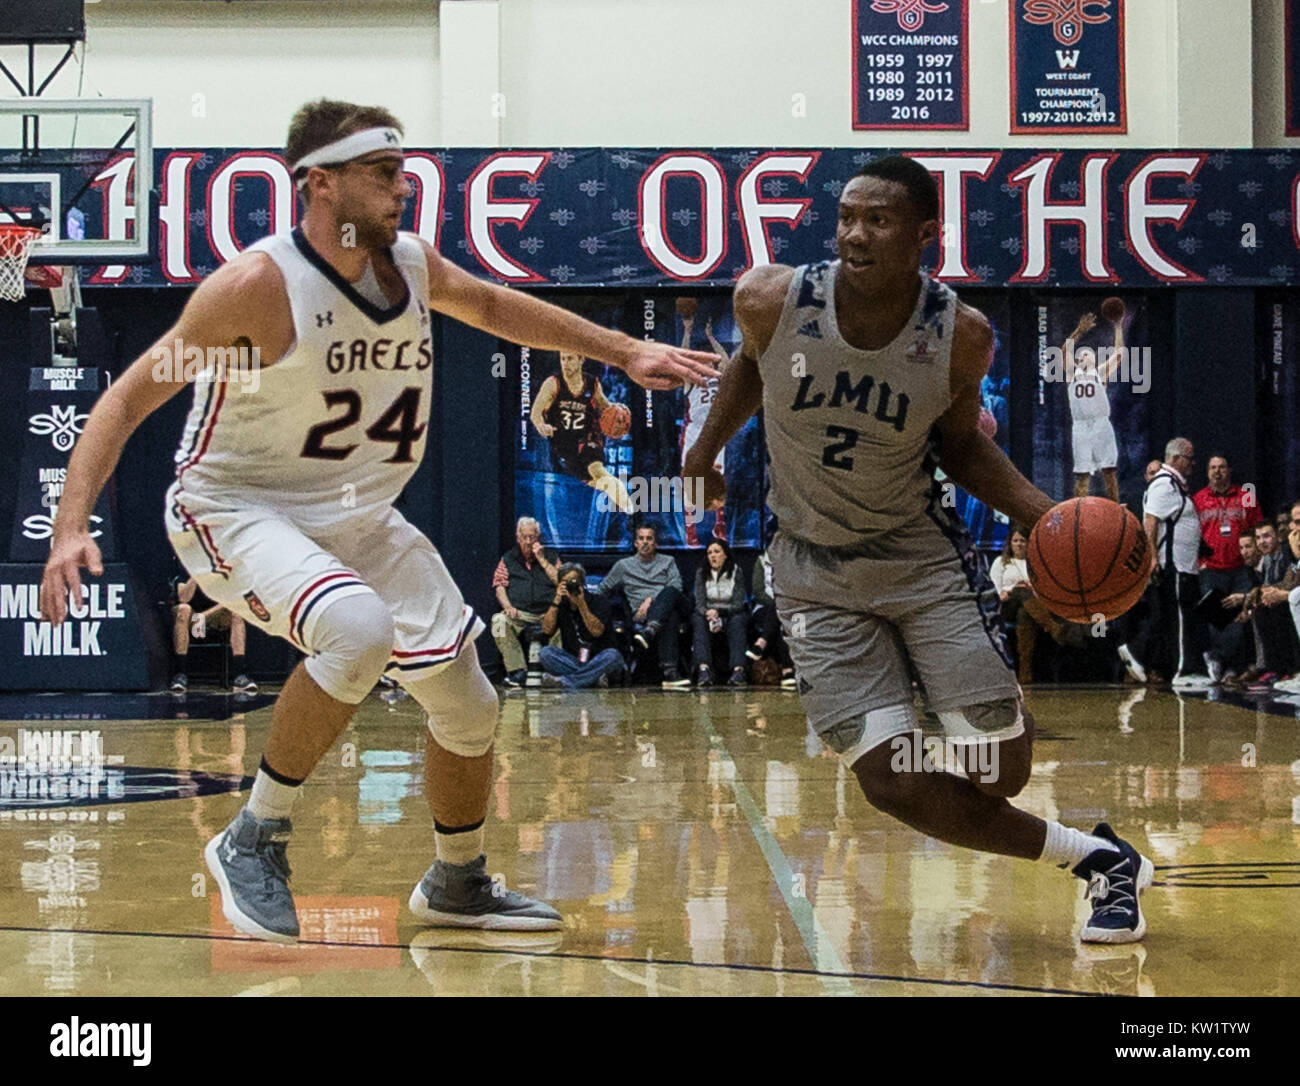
{"x":58,"y":403}
{"x":910,"y":64}
{"x":1094,"y":375}
{"x":596,"y":217}
{"x":1278,"y":400}
{"x":100,"y":646}
{"x":1292,"y":57}
{"x":595,"y":452}
{"x":1067,"y":66}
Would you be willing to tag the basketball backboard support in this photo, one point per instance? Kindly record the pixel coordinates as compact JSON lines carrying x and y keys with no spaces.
{"x":83,"y":169}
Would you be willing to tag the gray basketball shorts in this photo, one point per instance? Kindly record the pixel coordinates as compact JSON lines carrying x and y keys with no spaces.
{"x":862,"y":623}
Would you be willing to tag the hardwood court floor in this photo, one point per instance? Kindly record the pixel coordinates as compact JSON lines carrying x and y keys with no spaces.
{"x":697,"y":843}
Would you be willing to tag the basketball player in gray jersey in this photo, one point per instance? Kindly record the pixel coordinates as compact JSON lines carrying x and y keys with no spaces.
{"x":868,"y":373}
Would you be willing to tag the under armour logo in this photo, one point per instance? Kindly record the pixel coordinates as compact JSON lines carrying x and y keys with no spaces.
{"x":230,"y":849}
{"x":64,"y":423}
{"x":390,"y":136}
{"x":323,"y":319}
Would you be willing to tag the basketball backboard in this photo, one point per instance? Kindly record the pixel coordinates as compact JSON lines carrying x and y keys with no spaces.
{"x":83,"y":169}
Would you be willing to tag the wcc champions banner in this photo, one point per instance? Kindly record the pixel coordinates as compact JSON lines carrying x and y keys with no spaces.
{"x":596,"y":454}
{"x":1067,"y":66}
{"x":911,"y":64}
{"x":700,"y":217}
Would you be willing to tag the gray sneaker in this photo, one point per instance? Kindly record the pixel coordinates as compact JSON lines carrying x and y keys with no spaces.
{"x":463,"y":896}
{"x":248,"y":861}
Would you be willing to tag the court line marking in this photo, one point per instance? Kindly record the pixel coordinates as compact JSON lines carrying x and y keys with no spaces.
{"x":745,"y":967}
{"x":816,"y":940}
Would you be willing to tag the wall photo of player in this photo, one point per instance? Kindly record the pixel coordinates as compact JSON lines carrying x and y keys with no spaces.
{"x":1090,"y":411}
{"x":595,"y":454}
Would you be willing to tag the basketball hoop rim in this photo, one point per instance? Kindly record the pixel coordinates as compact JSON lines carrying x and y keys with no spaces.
{"x":20,"y":229}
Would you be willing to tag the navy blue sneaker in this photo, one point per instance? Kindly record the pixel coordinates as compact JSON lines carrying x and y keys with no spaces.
{"x":1115,"y":882}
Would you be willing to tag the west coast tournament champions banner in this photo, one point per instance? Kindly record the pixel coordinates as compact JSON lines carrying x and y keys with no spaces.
{"x":1067,"y":66}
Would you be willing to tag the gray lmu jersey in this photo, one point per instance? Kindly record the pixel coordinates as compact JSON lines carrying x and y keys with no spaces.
{"x":849,"y":431}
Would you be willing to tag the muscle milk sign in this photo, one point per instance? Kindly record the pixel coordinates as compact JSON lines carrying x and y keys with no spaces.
{"x":100,"y":646}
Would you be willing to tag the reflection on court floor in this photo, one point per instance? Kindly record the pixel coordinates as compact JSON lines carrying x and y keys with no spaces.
{"x":697,"y":843}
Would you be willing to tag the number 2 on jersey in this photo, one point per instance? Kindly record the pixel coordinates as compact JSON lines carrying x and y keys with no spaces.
{"x":396,"y":425}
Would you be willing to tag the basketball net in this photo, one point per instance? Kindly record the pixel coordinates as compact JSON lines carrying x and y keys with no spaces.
{"x":16,"y":240}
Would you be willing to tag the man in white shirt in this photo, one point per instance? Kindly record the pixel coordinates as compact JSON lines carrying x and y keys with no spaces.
{"x":1173,"y":530}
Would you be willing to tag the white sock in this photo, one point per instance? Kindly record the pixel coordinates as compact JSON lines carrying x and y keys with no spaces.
{"x":462,"y":847}
{"x":1066,"y":847}
{"x":271,"y":798}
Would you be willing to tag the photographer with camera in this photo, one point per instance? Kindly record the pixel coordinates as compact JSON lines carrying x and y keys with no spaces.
{"x":1175,"y":633}
{"x":586,"y":655}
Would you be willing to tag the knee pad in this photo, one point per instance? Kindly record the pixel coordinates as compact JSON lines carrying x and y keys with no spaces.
{"x":353,"y":639}
{"x":1000,"y":719}
{"x":461,"y":704}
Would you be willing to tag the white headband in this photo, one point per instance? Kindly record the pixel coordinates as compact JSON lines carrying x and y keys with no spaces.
{"x":348,"y":148}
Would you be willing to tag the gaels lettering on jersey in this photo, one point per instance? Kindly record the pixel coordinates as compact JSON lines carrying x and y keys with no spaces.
{"x":378,"y":354}
{"x":859,"y":394}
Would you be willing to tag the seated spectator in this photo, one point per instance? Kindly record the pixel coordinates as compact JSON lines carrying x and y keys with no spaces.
{"x":767,"y":622}
{"x":1284,"y":596}
{"x":1010,"y":575}
{"x":650,"y":587}
{"x":719,"y":605}
{"x":586,"y":655}
{"x":193,"y":614}
{"x":1271,"y":627}
{"x":524,"y":582}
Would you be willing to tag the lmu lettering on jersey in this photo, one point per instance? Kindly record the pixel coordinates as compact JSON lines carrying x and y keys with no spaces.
{"x":860,"y":394}
{"x":378,"y":354}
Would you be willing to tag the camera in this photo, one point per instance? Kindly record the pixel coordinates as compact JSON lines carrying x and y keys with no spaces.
{"x":572,"y":587}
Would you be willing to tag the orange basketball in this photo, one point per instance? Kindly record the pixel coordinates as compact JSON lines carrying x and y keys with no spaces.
{"x":1113,"y":309}
{"x":1088,"y":557}
{"x":686,"y":308}
{"x":615,"y":420}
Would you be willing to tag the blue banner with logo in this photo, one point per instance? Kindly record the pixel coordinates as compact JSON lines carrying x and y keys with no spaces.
{"x":1067,"y":66}
{"x":1278,"y":399}
{"x":58,"y":403}
{"x":911,"y":64}
{"x":606,"y":217}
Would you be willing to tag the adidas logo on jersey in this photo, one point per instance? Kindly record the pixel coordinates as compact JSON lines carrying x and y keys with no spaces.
{"x":812,"y":330}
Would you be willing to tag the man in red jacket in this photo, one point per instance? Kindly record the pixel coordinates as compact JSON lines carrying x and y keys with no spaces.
{"x":1224,"y":510}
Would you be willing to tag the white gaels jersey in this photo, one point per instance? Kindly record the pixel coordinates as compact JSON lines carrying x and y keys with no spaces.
{"x":1088,"y":398}
{"x":332,"y":431}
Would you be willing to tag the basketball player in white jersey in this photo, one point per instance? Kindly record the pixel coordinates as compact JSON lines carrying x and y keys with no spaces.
{"x":868,"y":373}
{"x":1091,"y":434}
{"x":282,"y":505}
{"x":567,"y":413}
{"x":699,"y":398}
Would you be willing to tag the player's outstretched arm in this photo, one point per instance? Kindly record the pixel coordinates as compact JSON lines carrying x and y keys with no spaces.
{"x":238,"y":304}
{"x":967,"y":455}
{"x":514,"y":315}
{"x":760,"y":294}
